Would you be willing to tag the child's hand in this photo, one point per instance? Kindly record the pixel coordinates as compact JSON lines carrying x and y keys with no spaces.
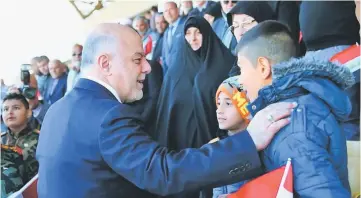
{"x":213,"y":141}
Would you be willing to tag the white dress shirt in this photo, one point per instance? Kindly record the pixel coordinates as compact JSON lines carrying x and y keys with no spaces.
{"x":111,"y":89}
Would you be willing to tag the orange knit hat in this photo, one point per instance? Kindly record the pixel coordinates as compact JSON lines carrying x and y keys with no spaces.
{"x":234,"y":90}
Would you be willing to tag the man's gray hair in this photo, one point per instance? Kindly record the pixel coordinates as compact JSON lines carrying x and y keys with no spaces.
{"x":95,"y":44}
{"x":43,"y":59}
{"x":158,"y":15}
{"x":270,"y":39}
{"x":142,"y":18}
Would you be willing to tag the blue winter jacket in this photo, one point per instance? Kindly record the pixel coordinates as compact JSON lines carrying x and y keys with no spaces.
{"x":314,"y":139}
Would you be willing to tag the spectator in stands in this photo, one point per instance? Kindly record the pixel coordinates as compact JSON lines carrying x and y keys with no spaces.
{"x":43,"y":77}
{"x":12,"y":170}
{"x":314,"y":141}
{"x":213,"y":12}
{"x":38,"y":107}
{"x":34,"y":65}
{"x":186,"y":111}
{"x":233,"y":117}
{"x":172,"y":35}
{"x":200,"y":7}
{"x":328,"y":27}
{"x":153,"y":12}
{"x":74,"y":67}
{"x":244,"y":16}
{"x":221,"y":26}
{"x":16,"y":113}
{"x":185,"y":8}
{"x":161,"y":25}
{"x":57,"y":84}
{"x":149,"y":37}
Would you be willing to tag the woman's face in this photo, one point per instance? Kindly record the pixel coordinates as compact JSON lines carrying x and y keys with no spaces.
{"x":241,"y":24}
{"x":194,"y":38}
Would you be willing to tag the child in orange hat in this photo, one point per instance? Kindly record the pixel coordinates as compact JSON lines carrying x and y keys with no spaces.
{"x":233,"y":117}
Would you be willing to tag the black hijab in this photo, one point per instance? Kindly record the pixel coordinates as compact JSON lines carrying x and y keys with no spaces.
{"x":214,"y":10}
{"x":259,"y":10}
{"x":146,"y":107}
{"x":186,"y":109}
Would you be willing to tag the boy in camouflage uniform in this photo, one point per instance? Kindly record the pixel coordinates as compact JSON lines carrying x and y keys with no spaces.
{"x":12,"y":170}
{"x":16,"y":113}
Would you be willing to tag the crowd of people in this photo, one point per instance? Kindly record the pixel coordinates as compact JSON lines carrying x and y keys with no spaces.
{"x":192,"y":101}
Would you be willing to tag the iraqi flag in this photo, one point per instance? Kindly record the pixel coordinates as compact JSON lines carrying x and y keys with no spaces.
{"x":275,"y":184}
{"x":350,"y":58}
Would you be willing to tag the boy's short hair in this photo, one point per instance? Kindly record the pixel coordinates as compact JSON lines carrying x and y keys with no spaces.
{"x":270,"y":39}
{"x":234,"y":90}
{"x":16,"y":96}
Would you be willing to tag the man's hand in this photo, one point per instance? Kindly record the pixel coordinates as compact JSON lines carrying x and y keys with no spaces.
{"x":267,"y":122}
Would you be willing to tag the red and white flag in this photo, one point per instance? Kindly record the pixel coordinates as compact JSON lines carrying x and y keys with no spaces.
{"x":349,"y":57}
{"x":275,"y":184}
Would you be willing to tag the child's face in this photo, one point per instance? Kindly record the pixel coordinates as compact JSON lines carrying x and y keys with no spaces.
{"x":227,"y":114}
{"x":14,"y":113}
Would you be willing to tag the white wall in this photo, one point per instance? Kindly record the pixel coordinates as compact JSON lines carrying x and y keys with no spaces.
{"x":36,"y":27}
{"x":31,"y":28}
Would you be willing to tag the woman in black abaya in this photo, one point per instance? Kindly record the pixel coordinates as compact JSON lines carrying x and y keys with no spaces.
{"x":243,"y":17}
{"x":186,"y":110}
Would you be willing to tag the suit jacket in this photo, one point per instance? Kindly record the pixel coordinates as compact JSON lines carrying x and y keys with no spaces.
{"x":58,"y":92}
{"x":195,"y":11}
{"x":169,"y":51}
{"x":220,"y":27}
{"x":157,"y":54}
{"x":98,"y":147}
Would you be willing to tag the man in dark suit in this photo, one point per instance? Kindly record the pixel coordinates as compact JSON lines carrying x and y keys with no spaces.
{"x":57,"y":83}
{"x":172,"y":35}
{"x":98,"y":146}
{"x":161,"y":25}
{"x":200,"y":6}
{"x":221,"y":27}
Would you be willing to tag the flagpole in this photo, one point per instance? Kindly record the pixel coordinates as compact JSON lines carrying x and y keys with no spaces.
{"x":280,"y":193}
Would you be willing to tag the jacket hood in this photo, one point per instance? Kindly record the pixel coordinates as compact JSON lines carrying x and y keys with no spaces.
{"x":323,"y":79}
{"x":308,"y":67}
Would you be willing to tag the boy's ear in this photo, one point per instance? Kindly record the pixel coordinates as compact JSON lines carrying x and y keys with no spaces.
{"x":264,"y":67}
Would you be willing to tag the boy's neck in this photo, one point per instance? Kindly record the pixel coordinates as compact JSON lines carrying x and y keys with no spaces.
{"x":242,"y":127}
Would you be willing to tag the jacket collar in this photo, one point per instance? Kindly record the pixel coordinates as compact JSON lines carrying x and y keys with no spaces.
{"x":88,"y":84}
{"x":297,"y":77}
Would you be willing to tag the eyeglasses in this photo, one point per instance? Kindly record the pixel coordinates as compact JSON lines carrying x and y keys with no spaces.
{"x":244,"y":25}
{"x":227,"y":1}
{"x":74,"y":54}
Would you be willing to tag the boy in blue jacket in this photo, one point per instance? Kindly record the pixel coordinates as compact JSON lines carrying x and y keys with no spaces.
{"x":314,"y":139}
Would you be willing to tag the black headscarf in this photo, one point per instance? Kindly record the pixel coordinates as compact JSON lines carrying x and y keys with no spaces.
{"x":214,"y":10}
{"x":186,"y":109}
{"x":146,"y":107}
{"x":259,"y":10}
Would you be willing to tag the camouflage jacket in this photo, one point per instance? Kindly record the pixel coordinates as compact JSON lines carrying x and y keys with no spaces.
{"x":27,"y":140}
{"x":12,"y":170}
